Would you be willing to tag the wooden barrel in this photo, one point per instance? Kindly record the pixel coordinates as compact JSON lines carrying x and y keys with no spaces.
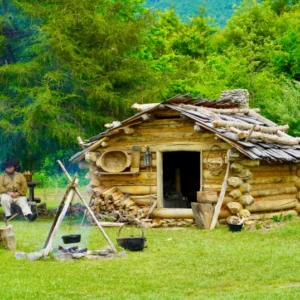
{"x":113,"y":161}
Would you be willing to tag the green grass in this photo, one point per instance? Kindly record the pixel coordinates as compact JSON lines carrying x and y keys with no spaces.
{"x":178,"y":264}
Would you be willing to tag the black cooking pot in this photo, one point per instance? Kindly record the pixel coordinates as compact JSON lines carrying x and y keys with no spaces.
{"x":132,"y":243}
{"x":71,"y":238}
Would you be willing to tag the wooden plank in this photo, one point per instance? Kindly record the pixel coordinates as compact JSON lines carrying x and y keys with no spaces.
{"x":50,"y":239}
{"x":222,"y":194}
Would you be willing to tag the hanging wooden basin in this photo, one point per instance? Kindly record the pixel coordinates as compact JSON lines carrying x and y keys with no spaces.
{"x":113,"y":161}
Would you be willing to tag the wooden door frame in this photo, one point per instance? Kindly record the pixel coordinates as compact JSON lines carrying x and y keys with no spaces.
{"x":159,"y":169}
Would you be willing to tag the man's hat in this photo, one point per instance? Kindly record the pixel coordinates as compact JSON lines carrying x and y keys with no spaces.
{"x":10,"y":163}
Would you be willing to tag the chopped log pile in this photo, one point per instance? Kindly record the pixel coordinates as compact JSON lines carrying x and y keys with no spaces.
{"x":110,"y":204}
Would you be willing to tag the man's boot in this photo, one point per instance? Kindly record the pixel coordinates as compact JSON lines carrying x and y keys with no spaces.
{"x":31,"y":217}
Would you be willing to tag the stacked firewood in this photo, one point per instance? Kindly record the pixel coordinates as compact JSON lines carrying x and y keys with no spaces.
{"x":110,"y":204}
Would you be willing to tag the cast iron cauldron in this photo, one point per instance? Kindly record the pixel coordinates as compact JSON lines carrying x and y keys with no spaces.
{"x":235,"y":227}
{"x":132,"y":243}
{"x":71,"y":238}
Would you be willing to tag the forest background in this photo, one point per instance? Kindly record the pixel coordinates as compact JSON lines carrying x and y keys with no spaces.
{"x":68,"y":67}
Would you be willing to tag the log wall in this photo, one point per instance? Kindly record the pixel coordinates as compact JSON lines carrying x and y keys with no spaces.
{"x":258,"y":186}
{"x":174,"y":134}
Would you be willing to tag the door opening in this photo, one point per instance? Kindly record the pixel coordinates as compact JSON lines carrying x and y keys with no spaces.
{"x":181,"y":178}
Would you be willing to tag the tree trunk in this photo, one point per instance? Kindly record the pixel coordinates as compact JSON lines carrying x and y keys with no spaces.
{"x":7,"y":237}
{"x":203,"y":213}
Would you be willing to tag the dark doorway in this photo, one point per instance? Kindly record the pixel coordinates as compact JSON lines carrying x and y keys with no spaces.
{"x":181,"y":178}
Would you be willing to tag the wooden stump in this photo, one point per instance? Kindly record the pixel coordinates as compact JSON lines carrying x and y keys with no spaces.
{"x":203,"y":213}
{"x":7,"y":237}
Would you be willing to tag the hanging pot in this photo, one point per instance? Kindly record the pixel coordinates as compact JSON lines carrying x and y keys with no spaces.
{"x":71,"y":238}
{"x":132,"y":243}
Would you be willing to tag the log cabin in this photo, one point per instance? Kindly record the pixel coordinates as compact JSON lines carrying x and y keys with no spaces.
{"x":155,"y":164}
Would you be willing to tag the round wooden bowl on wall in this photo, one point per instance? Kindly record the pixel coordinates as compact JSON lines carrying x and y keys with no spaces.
{"x":113,"y":161}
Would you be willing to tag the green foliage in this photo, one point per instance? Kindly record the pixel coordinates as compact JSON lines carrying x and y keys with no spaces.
{"x":67,"y":68}
{"x":283,"y":217}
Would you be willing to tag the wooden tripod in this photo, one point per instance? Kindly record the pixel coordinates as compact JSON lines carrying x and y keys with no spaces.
{"x":62,"y":209}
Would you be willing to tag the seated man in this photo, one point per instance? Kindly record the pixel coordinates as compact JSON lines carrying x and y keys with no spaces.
{"x":13,"y":188}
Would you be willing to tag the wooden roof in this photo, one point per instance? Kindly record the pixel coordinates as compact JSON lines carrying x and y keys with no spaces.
{"x":243,"y":128}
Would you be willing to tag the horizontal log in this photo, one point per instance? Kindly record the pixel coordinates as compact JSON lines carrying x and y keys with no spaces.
{"x":129,"y":183}
{"x":210,"y":174}
{"x":272,"y":173}
{"x":236,"y":167}
{"x":135,"y":177}
{"x":224,"y":213}
{"x":276,"y":197}
{"x":265,"y":216}
{"x":244,"y":213}
{"x":234,"y":207}
{"x":268,"y":138}
{"x":246,"y":162}
{"x":277,"y":191}
{"x":271,"y":168}
{"x":270,"y":179}
{"x":166,"y":113}
{"x":141,"y":107}
{"x":261,"y":206}
{"x":246,"y":200}
{"x":170,"y":145}
{"x":244,"y":125}
{"x":272,"y":186}
{"x":146,"y":200}
{"x":173,"y":213}
{"x":137,"y":189}
{"x":235,"y":182}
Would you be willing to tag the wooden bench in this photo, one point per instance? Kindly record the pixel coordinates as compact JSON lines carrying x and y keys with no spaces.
{"x":32,"y":200}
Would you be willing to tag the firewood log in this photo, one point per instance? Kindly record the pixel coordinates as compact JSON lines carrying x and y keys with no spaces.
{"x":234,"y":181}
{"x":236,"y":167}
{"x":246,"y":200}
{"x":244,"y":213}
{"x":245,"y":174}
{"x":246,"y":188}
{"x":235,"y":193}
{"x":95,"y":182}
{"x":234,"y":207}
{"x":244,"y":125}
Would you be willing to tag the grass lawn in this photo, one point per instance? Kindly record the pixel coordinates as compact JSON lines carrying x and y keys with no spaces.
{"x":178,"y":264}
